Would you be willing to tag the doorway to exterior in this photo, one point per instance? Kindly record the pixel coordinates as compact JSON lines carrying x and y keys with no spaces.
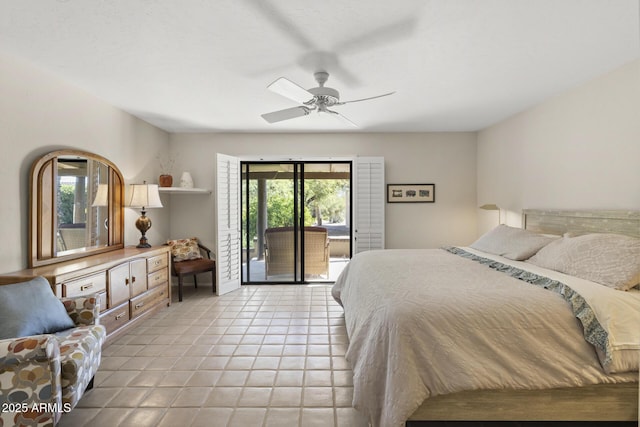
{"x":296,"y":221}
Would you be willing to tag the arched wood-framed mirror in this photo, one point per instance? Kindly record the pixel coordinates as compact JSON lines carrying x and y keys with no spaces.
{"x":76,"y":207}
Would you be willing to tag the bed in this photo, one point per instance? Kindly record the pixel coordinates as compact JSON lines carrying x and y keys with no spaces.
{"x":464,"y":334}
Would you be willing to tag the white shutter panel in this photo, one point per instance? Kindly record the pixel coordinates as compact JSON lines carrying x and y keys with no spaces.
{"x":369,"y":204}
{"x":228,"y":224}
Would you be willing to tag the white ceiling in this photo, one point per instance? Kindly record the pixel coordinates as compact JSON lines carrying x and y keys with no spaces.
{"x":204,"y":65}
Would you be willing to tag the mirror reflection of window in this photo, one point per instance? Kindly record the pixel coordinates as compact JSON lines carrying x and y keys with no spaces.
{"x":81,"y":214}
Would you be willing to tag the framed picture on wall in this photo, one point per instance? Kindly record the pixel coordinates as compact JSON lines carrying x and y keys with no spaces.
{"x":411,"y":193}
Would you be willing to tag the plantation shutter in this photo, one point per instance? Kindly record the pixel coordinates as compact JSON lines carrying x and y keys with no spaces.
{"x":228,"y":223}
{"x":369,"y":204}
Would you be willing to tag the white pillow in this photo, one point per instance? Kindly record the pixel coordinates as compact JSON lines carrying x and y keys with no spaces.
{"x":510,"y":242}
{"x":612,"y":260}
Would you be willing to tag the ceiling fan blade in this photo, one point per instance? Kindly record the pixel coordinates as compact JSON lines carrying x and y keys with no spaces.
{"x":380,"y":36}
{"x":286,"y":114}
{"x":342,"y":118}
{"x":365,"y":99}
{"x":282,"y":23}
{"x":289,"y":89}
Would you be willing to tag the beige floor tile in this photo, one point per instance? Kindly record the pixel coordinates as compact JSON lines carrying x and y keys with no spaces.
{"x":317,"y":378}
{"x":119,"y":379}
{"x":78,"y":417}
{"x":342,"y":378}
{"x":204,"y":379}
{"x":286,"y":378}
{"x":266,"y":362}
{"x":317,"y":417}
{"x":199,"y":350}
{"x":343,"y":396}
{"x":208,"y":417}
{"x":161,"y":363}
{"x":214,"y":362}
{"x":112,"y":363}
{"x":339,"y":363}
{"x":245,"y":417}
{"x":192,"y":397}
{"x":261,"y":378}
{"x":255,"y":397}
{"x":128,"y":398}
{"x":240,"y":362}
{"x":283,"y":417}
{"x":175,"y":379}
{"x":146,"y":379}
{"x":178,"y":417}
{"x":164,"y":339}
{"x":110,"y":417}
{"x":318,"y":362}
{"x":137,"y":363}
{"x":317,"y":396}
{"x":98,"y":397}
{"x":160,"y":397}
{"x":233,"y":378}
{"x":286,"y":397}
{"x":223,"y":397}
{"x":294,"y":350}
{"x":188,"y":363}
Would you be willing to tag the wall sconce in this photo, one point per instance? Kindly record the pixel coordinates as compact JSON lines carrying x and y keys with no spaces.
{"x":144,"y":196}
{"x":492,"y":207}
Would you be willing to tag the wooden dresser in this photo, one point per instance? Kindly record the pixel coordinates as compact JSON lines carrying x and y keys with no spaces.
{"x":132,"y":283}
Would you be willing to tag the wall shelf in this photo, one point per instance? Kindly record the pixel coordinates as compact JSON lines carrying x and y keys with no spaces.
{"x":182,"y":190}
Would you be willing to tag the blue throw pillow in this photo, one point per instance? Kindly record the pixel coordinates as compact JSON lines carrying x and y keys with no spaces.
{"x":31,"y":308}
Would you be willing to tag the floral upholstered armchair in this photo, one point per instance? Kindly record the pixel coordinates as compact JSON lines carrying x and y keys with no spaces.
{"x":45,"y":375}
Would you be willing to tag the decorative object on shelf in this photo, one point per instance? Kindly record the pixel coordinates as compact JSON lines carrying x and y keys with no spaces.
{"x":492,"y":207}
{"x":166,"y":166}
{"x":144,"y":196}
{"x":186,"y":181}
{"x":411,"y":193}
{"x":165,"y":180}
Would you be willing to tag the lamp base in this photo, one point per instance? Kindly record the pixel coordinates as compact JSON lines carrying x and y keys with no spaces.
{"x":143,"y":224}
{"x":144,"y":244}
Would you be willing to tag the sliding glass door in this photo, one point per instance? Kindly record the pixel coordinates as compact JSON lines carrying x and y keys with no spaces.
{"x":296,"y":220}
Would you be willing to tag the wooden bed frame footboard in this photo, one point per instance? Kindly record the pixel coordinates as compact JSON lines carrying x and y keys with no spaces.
{"x":601,"y":402}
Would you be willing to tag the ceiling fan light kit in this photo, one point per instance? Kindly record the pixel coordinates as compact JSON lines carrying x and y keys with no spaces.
{"x":318,"y":99}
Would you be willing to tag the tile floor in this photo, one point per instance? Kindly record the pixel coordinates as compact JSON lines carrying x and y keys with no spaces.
{"x":265,"y":355}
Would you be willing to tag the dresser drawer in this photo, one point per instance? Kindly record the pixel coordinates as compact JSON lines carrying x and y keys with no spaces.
{"x":157,"y":278}
{"x":85,"y":286}
{"x":148,"y":300}
{"x":115,"y":317}
{"x":157,"y":262}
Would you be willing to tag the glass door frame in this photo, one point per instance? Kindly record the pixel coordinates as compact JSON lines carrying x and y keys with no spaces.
{"x":298,"y":212}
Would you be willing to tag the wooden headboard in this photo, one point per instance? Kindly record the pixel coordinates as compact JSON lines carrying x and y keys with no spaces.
{"x":582,"y":222}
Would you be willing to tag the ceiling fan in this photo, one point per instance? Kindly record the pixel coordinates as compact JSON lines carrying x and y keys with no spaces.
{"x":318,"y":99}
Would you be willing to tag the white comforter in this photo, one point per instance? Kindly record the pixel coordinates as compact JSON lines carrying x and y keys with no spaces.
{"x":427,"y":322}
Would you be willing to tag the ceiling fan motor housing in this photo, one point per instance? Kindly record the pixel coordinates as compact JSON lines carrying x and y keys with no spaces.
{"x":325,"y":95}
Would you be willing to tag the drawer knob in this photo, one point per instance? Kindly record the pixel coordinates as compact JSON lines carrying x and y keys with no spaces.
{"x":87,"y":286}
{"x":118,"y":316}
{"x":140,"y":304}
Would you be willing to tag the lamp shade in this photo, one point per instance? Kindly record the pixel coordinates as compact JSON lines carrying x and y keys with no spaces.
{"x":144,"y":196}
{"x":102,"y":196}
